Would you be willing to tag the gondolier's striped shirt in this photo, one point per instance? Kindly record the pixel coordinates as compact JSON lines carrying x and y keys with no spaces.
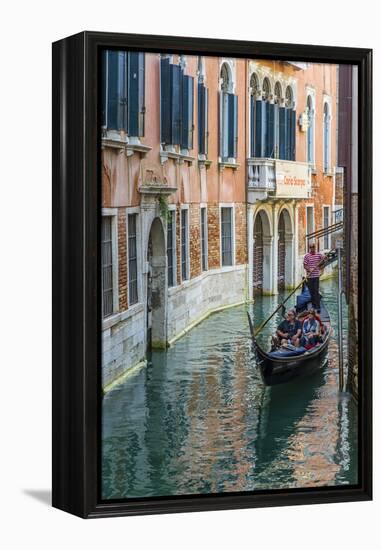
{"x":311,"y":262}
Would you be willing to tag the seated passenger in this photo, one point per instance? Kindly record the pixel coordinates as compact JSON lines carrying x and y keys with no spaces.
{"x":311,"y":330}
{"x":304,"y":315}
{"x":288,"y":332}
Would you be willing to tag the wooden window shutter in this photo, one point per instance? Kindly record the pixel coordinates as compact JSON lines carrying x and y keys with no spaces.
{"x":176,"y":103}
{"x":187,"y":112}
{"x":270,"y":131}
{"x":133,"y":94}
{"x":112,"y":90}
{"x":282,"y":133}
{"x":165,"y":102}
{"x":232,"y":125}
{"x":122,"y":120}
{"x":252,"y":125}
{"x":258,"y":128}
{"x":293,"y":136}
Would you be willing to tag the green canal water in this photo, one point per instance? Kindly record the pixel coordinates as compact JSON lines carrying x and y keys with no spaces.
{"x":198,"y":418}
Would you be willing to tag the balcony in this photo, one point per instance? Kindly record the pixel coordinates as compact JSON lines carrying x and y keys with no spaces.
{"x":275,"y":178}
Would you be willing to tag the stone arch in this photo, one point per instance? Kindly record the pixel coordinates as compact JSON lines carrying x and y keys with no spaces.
{"x":285,"y":250}
{"x":262,"y":257}
{"x":157,"y":286}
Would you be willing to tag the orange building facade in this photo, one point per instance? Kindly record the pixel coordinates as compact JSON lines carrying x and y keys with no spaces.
{"x":213,"y":172}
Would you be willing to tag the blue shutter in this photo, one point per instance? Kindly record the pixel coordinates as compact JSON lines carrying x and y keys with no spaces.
{"x":142,"y":92}
{"x":293,"y":131}
{"x":288,"y":133}
{"x":200,"y":117}
{"x":122,"y":121}
{"x":187,"y":112}
{"x":206,"y":127}
{"x":104,"y":89}
{"x":112,"y":90}
{"x":232,"y":125}
{"x":133,"y":94}
{"x":220,"y":125}
{"x":264,"y":129}
{"x":252,"y":125}
{"x":282,"y":133}
{"x":270,"y":130}
{"x":276,"y":130}
{"x":258,"y":128}
{"x":165,"y":104}
{"x":176,"y":103}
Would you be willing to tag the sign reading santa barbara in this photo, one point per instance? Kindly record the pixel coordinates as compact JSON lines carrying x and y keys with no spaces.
{"x":293,"y":179}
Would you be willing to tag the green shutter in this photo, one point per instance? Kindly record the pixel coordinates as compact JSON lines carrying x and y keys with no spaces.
{"x":293,"y":136}
{"x":133,"y":94}
{"x":176,"y":103}
{"x":122,"y":116}
{"x":270,"y":131}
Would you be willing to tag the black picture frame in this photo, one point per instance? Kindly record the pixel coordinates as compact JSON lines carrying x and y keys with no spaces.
{"x":76,"y":312}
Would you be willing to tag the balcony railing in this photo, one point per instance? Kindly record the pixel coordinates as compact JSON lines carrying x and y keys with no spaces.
{"x":279,"y":178}
{"x":261,"y":174}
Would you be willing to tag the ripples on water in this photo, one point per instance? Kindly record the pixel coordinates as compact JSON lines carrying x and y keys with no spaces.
{"x":198,"y":418}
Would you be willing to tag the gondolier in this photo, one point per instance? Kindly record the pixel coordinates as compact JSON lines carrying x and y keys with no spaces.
{"x":311,"y":264}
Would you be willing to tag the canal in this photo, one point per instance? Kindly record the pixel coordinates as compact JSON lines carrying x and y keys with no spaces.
{"x":198,"y":419}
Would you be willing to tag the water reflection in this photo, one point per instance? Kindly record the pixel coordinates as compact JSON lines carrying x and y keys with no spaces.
{"x":198,"y":419}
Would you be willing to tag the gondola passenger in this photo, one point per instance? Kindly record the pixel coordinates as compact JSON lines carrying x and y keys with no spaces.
{"x":311,"y":330}
{"x":288,"y":332}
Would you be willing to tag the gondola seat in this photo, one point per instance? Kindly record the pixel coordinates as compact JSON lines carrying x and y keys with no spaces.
{"x":287,"y":352}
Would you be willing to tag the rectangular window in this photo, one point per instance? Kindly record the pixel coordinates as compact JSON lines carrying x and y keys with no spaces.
{"x":171,"y":247}
{"x":107,"y":266}
{"x":326,"y":224}
{"x":227,"y":236}
{"x":310,"y":219}
{"x":132,"y":261}
{"x":204,"y":240}
{"x":184,"y":245}
{"x":176,"y":105}
{"x":123,"y":91}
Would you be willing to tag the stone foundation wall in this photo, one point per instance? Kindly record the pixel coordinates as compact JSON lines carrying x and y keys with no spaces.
{"x":194,"y":299}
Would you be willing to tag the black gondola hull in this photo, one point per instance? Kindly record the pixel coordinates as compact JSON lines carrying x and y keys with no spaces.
{"x":280,"y":371}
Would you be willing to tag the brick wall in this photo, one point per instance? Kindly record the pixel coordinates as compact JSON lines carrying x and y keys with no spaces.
{"x":194,"y":240}
{"x":178,"y":245}
{"x":214,"y":236}
{"x":240,"y":234}
{"x":122,"y":259}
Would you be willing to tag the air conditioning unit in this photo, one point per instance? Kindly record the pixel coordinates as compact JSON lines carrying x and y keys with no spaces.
{"x":303,"y":122}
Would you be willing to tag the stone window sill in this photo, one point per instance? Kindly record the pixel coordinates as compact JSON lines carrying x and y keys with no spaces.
{"x":225,"y":164}
{"x":115,"y":318}
{"x":178,"y":157}
{"x":116,"y":141}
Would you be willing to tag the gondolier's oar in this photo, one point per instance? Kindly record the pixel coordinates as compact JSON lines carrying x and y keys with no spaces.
{"x":258,"y":330}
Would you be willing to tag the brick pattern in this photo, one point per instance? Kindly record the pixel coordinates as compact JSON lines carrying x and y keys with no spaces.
{"x":214,"y":256}
{"x":178,"y":245}
{"x":122,"y":259}
{"x":258,"y":256}
{"x":194,"y":240}
{"x":240,"y":234}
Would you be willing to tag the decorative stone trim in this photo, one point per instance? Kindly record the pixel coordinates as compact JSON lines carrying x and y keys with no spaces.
{"x":226,"y":164}
{"x":116,"y":141}
{"x":179,"y":158}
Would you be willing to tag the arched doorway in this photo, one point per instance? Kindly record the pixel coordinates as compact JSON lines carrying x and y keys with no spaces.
{"x":156,"y":287}
{"x":262,"y":254}
{"x":285,"y":251}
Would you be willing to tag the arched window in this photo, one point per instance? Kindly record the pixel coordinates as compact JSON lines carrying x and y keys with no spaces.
{"x":277,"y":104}
{"x":310,"y":131}
{"x":255,"y":124}
{"x":326,"y":137}
{"x":228,"y":116}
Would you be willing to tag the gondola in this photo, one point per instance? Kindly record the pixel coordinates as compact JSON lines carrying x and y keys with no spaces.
{"x":277,"y":367}
{"x":281,"y":366}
